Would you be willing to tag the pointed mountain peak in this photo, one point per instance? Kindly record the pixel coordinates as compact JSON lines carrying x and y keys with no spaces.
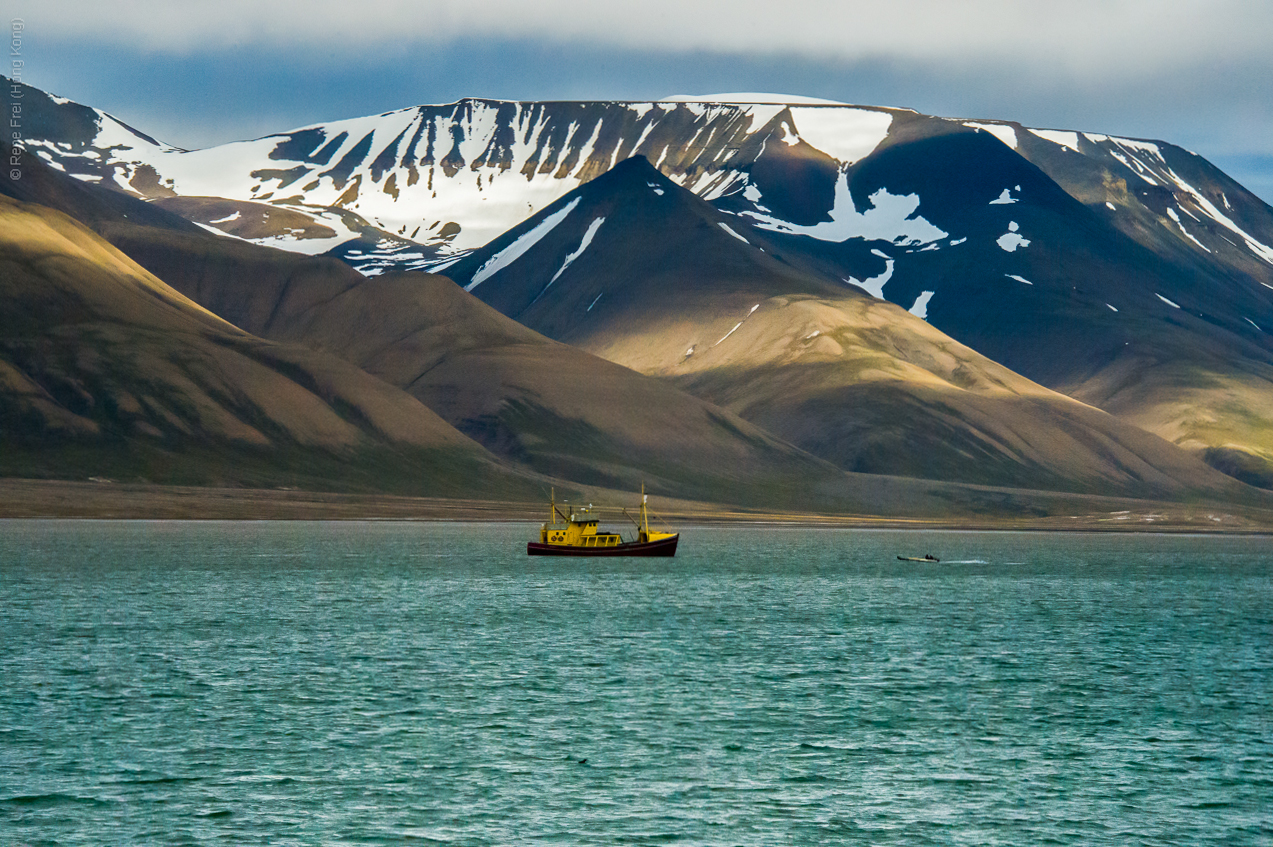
{"x":627,"y":248}
{"x":635,"y":172}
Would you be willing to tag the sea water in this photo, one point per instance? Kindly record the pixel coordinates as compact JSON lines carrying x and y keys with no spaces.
{"x":427,"y":683}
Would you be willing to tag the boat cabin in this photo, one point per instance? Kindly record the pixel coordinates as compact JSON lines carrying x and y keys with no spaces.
{"x":576,"y":530}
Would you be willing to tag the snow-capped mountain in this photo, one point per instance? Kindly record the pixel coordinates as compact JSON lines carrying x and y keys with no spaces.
{"x":1130,"y":274}
{"x":642,"y":272}
{"x":631,"y":267}
{"x":452,"y":177}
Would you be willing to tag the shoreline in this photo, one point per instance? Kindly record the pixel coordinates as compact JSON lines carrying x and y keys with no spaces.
{"x":66,"y":500}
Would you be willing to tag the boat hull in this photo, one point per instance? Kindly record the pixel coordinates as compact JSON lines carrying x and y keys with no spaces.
{"x":662,"y":547}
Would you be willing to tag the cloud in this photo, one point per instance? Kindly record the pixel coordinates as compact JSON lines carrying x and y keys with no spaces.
{"x":196,"y":75}
{"x":1079,"y":37}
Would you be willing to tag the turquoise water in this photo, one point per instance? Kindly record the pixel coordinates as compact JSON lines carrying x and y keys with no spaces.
{"x":400,"y":683}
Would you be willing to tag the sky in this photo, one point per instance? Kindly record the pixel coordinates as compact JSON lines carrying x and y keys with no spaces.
{"x":1193,"y":72}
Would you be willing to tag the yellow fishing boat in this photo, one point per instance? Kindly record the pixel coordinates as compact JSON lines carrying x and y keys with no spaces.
{"x":571,"y":532}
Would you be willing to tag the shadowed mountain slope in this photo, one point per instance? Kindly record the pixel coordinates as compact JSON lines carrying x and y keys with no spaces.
{"x":1130,"y":274}
{"x":1149,"y":302}
{"x":106,"y":371}
{"x":542,"y":404}
{"x":641,"y":272}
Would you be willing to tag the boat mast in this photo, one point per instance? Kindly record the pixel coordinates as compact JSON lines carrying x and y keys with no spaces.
{"x":645,"y":514}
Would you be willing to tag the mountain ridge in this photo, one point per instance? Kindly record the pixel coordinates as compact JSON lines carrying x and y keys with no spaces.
{"x":540,"y":405}
{"x":666,"y":286}
{"x":1038,"y":258}
{"x":106,"y":370}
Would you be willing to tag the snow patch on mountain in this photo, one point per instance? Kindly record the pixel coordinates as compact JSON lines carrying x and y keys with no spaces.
{"x":50,"y":161}
{"x":215,"y":231}
{"x":747,"y":98}
{"x":583,"y":245}
{"x":726,"y":227}
{"x":1140,"y":147}
{"x":920,"y":307}
{"x":1254,"y":245}
{"x":1135,"y":166}
{"x":847,"y":134}
{"x":751,"y":192}
{"x":1065,"y":139}
{"x":890,"y":217}
{"x":437,"y":267}
{"x":736,"y":326}
{"x":1006,"y":134}
{"x":389,"y":256}
{"x":875,"y":285}
{"x":789,"y":136}
{"x":292,"y":241}
{"x":1171,"y":213}
{"x":222,"y":171}
{"x":518,"y":248}
{"x":1012,"y":240}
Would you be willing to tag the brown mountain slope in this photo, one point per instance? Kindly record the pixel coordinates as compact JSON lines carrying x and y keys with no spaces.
{"x":486,"y":373}
{"x":528,"y":398}
{"x":873,"y":389}
{"x":538,"y":402}
{"x":544,"y":404}
{"x":549,"y":405}
{"x":1213,"y":402}
{"x":104,"y":369}
{"x":645,"y":274}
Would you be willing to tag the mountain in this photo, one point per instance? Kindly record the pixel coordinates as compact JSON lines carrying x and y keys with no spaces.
{"x":644,"y":273}
{"x":107,"y":371}
{"x":540,"y":404}
{"x":452,"y":177}
{"x":1129,"y":274}
{"x":1062,"y":292}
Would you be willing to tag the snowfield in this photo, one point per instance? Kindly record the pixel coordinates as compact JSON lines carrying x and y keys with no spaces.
{"x":434,"y":182}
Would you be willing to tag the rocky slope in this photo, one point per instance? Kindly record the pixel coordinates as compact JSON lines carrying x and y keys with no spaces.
{"x":542,"y":405}
{"x":106,"y":371}
{"x":1129,"y":274}
{"x":644,"y":273}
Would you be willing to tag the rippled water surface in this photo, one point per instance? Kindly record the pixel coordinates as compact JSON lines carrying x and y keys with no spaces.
{"x":391,"y":683}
